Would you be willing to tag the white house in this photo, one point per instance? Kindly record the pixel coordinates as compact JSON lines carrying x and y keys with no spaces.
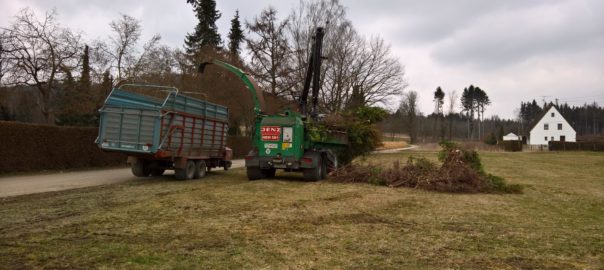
{"x":551,"y":127}
{"x":512,"y":137}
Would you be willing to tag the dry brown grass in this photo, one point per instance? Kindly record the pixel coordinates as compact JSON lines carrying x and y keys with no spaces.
{"x":225,"y":221}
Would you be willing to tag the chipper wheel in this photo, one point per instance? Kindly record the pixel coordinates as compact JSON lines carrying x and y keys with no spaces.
{"x":314,"y":174}
{"x":255,"y":173}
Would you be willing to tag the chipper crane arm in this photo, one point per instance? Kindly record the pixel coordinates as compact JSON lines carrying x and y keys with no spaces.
{"x":249,"y":82}
{"x":313,"y":72}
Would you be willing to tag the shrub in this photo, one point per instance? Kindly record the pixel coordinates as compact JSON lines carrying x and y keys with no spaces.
{"x":460,"y":171}
{"x":491,"y":139}
{"x":360,"y":127}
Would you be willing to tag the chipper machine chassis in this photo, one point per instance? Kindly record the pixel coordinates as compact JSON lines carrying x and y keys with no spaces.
{"x":283,"y":141}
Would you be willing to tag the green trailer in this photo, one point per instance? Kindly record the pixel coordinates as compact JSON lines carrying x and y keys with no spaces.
{"x":171,"y":132}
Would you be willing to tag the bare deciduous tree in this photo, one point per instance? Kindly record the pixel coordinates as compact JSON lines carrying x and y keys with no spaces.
{"x":122,"y":44}
{"x":409,"y":111}
{"x":269,"y":51}
{"x":352,"y":62}
{"x":452,"y":103}
{"x":36,"y":52}
{"x":379,"y":75}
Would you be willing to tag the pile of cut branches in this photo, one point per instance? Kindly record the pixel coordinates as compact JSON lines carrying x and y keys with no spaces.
{"x":461,"y":172}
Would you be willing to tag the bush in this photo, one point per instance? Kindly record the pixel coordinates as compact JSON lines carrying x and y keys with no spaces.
{"x":491,"y":139}
{"x":512,"y":146}
{"x":576,"y":146}
{"x":360,"y":127}
{"x":28,"y":147}
{"x":461,"y":172}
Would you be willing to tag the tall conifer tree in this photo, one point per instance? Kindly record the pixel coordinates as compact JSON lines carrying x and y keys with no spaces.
{"x":235,"y":35}
{"x":206,"y":32}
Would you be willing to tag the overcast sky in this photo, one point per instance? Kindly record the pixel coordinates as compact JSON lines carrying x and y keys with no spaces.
{"x":513,"y":49}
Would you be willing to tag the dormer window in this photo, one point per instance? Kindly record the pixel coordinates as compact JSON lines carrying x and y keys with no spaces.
{"x":545,"y":126}
{"x":552,"y":114}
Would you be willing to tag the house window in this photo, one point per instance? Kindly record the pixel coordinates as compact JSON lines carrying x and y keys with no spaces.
{"x":552,"y":114}
{"x":545,"y":126}
{"x":552,"y":138}
{"x":559,"y":126}
{"x":546,"y":138}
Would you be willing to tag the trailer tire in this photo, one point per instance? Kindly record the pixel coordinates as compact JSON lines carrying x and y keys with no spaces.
{"x":200,"y":169}
{"x":141,"y":168}
{"x":186,"y":173}
{"x":227,"y":165}
{"x":255,"y":173}
{"x":314,"y":174}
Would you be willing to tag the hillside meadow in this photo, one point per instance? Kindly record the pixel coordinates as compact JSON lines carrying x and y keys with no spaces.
{"x":225,"y":221}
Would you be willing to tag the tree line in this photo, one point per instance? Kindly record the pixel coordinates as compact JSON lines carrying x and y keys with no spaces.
{"x":473,"y":103}
{"x":467,"y":122}
{"x":587,"y":119}
{"x":69,"y":76}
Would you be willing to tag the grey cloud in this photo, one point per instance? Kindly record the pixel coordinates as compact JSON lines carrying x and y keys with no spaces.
{"x":512,"y":38}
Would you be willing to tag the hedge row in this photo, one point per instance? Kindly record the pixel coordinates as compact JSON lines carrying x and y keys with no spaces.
{"x":576,"y":146}
{"x":29,"y":147}
{"x":241,"y":145}
{"x":511,"y":146}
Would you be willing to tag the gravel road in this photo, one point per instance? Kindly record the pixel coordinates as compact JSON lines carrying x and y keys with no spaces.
{"x":29,"y":184}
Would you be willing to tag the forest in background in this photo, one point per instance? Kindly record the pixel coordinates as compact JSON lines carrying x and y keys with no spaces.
{"x":51,"y":74}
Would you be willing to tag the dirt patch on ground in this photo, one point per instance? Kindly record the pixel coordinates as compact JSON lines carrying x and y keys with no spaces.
{"x":393,"y":145}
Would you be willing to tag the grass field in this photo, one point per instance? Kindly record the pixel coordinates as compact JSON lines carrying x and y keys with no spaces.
{"x":224,"y":221}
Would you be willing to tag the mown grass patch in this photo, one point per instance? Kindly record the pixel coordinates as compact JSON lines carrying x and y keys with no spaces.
{"x":225,"y":221}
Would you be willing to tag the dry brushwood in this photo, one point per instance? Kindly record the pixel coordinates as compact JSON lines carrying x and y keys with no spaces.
{"x":454,"y":175}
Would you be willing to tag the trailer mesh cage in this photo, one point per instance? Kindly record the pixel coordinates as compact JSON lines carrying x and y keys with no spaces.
{"x":139,"y":121}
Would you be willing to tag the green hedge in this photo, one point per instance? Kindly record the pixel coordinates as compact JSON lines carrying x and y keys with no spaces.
{"x":576,"y":146}
{"x":29,"y":147}
{"x":512,"y":146}
{"x":241,"y":145}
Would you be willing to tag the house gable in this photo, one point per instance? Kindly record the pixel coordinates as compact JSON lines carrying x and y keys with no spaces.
{"x":551,"y":126}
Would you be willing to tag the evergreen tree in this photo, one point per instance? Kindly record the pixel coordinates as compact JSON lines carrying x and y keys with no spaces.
{"x":84,"y":83}
{"x":468,"y":105}
{"x":206,"y":32}
{"x":439,"y":100}
{"x":235,"y":36}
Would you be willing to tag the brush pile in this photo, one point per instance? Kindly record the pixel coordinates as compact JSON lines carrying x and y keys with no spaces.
{"x":460,"y":172}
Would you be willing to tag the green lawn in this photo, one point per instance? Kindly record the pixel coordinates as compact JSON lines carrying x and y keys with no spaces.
{"x":224,"y":221}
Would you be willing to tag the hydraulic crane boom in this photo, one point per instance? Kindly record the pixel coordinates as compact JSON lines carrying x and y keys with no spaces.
{"x":313,"y":73}
{"x":249,"y":82}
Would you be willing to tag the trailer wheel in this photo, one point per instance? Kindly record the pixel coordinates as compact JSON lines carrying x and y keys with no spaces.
{"x":255,"y":173}
{"x":227,"y":165}
{"x":200,"y":169}
{"x":141,"y":168}
{"x":314,"y":174}
{"x":186,"y":173}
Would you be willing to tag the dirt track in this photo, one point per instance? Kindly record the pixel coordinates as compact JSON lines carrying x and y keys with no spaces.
{"x":29,"y":184}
